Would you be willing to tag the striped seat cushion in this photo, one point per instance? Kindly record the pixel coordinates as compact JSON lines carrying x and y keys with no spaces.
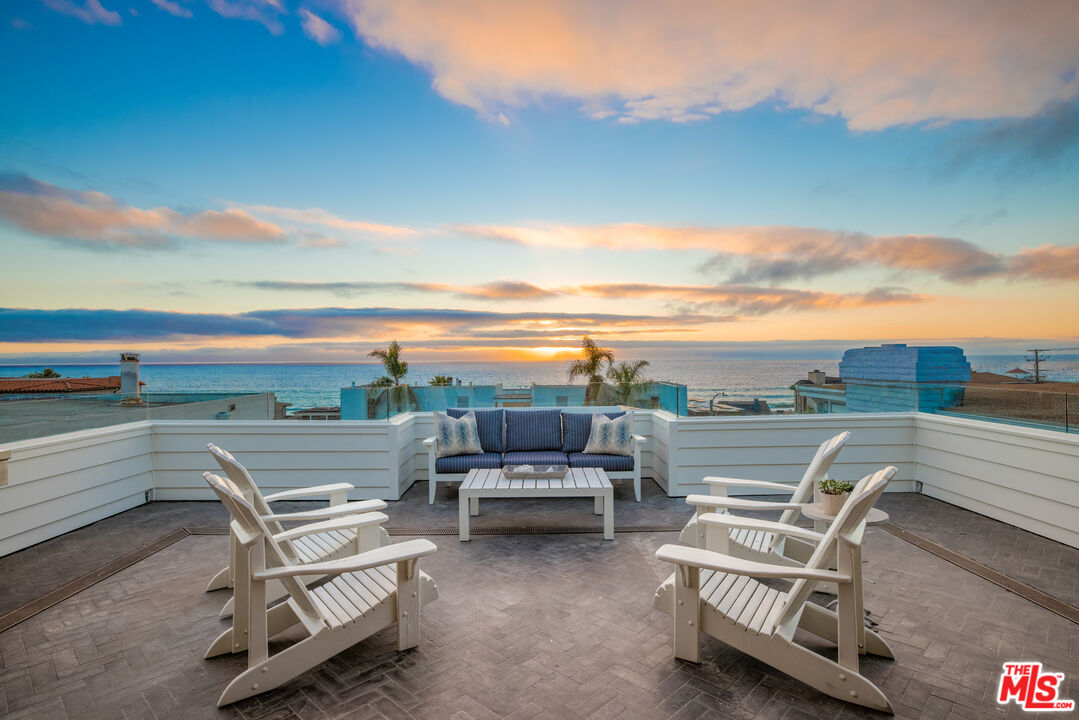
{"x":464,"y":463}
{"x":610,"y":463}
{"x":536,"y":457}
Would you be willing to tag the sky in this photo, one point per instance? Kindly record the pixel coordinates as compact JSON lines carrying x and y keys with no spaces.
{"x":269,"y":180}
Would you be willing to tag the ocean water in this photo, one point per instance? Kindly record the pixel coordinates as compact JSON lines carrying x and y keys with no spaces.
{"x":313,"y":385}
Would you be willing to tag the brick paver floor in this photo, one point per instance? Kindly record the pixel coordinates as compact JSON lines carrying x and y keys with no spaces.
{"x":527,"y":626}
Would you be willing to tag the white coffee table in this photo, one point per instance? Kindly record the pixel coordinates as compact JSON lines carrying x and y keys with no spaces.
{"x":578,"y":482}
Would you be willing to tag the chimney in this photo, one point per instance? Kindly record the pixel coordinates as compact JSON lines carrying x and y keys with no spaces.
{"x":816,"y":377}
{"x":129,"y":375}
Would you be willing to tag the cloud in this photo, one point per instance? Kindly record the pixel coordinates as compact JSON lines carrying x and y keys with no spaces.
{"x":264,"y":12}
{"x":500,"y":290}
{"x":749,"y":300}
{"x":776,"y":254}
{"x":89,"y":11}
{"x":172,"y":8}
{"x":323,"y":218}
{"x":1049,"y":262}
{"x":741,"y":299}
{"x":20,"y":24}
{"x":318,"y":29}
{"x":92,"y":325}
{"x":875,"y":65}
{"x":97,"y":220}
{"x":1020,"y":143}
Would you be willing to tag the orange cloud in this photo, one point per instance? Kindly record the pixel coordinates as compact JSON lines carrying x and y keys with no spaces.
{"x":775,"y":253}
{"x":1051,"y":262}
{"x":876,"y":64}
{"x":94,"y":218}
{"x":747,"y":300}
{"x":318,"y":216}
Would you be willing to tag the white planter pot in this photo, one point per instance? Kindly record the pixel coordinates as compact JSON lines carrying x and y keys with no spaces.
{"x":832,"y":504}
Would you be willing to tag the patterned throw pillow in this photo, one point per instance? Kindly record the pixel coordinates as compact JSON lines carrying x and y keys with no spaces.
{"x":610,"y":437}
{"x":456,"y":437}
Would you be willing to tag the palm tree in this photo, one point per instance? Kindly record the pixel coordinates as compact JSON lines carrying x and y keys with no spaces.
{"x":591,"y":366}
{"x":628,"y":377}
{"x":391,"y":358}
{"x":441,"y":380}
{"x":382,"y":382}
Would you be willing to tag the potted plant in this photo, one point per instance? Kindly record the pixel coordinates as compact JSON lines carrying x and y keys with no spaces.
{"x":833,"y":493}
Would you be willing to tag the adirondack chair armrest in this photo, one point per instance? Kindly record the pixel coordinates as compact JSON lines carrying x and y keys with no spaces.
{"x":695,"y":557}
{"x":386,"y":555}
{"x":351,"y":508}
{"x":729,"y":503}
{"x":305,"y":492}
{"x":341,"y":523}
{"x":723,"y":482}
{"x":735,"y":521}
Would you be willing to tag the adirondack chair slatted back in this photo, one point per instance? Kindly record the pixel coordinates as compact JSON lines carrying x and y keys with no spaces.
{"x":245,"y":515}
{"x":854,"y":511}
{"x":818,"y":468}
{"x":242,"y":479}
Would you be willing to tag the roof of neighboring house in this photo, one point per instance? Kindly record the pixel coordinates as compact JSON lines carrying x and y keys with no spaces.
{"x":59,"y":385}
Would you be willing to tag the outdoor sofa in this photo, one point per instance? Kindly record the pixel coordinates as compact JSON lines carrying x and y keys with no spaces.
{"x":532,"y":437}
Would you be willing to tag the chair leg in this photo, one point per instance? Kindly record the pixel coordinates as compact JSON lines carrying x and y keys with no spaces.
{"x":687,"y":612}
{"x":431,"y":491}
{"x":408,"y":604}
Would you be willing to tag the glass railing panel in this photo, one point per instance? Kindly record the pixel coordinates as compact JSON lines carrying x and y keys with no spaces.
{"x":1020,"y":406}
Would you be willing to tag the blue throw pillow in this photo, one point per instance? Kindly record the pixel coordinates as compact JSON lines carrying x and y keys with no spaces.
{"x":489,"y":423}
{"x":456,"y":437}
{"x":533,"y":430}
{"x":576,"y":427}
{"x":611,"y":437}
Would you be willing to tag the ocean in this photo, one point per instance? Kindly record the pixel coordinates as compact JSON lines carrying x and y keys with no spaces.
{"x":318,"y":385}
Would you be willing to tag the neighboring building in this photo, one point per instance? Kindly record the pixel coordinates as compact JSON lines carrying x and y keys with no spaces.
{"x":820,"y":393}
{"x":367,"y":403}
{"x":35,"y":407}
{"x":42,"y":387}
{"x":316,"y":413}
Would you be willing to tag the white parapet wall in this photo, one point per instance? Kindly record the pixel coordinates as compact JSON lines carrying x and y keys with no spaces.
{"x":1025,"y":477}
{"x":777,"y":448}
{"x":281,"y":454}
{"x":58,"y":483}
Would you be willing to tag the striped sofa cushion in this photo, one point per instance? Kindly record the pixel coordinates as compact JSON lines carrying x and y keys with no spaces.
{"x":610,"y":463}
{"x":533,"y":430}
{"x":464,"y":463}
{"x":535,"y":457}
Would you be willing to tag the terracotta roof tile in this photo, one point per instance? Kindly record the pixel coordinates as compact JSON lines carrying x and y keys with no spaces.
{"x":59,"y":385}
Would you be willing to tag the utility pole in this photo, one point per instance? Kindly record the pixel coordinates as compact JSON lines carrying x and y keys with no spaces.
{"x":1037,"y":356}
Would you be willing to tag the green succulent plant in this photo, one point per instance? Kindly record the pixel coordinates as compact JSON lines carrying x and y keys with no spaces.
{"x":831,"y":486}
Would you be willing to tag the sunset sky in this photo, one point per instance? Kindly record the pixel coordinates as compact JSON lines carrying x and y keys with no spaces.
{"x":280,"y":180}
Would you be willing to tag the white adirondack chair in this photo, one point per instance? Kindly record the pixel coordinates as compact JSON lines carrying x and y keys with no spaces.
{"x":755,"y":541}
{"x":366,"y":592}
{"x":720,"y":595}
{"x":318,"y":547}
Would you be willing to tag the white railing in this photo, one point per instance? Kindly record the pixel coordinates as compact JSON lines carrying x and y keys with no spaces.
{"x":1025,"y":477}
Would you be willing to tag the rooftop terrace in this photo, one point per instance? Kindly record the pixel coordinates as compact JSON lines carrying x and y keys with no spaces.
{"x":537,"y":616}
